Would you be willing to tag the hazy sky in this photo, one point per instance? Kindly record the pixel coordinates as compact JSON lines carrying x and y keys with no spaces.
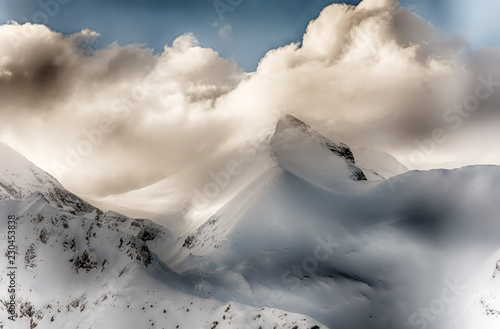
{"x":107,"y":118}
{"x":245,"y":30}
{"x":256,"y":26}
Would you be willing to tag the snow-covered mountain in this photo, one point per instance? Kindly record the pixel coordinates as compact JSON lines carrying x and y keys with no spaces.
{"x":378,"y":165}
{"x":390,"y":246}
{"x":254,"y":165}
{"x":291,"y":233}
{"x":78,"y":267}
{"x":20,"y":178}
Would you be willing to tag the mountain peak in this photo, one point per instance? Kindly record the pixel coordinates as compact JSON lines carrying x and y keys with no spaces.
{"x":290,"y":131}
{"x":19,"y":179}
{"x":288,"y":120}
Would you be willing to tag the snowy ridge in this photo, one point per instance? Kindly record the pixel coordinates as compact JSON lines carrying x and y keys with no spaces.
{"x":295,"y":241}
{"x":310,"y":153}
{"x":81,"y":272}
{"x":82,"y":268}
{"x":19,"y":178}
{"x":378,"y":165}
{"x":290,"y":132}
{"x":392,"y":243}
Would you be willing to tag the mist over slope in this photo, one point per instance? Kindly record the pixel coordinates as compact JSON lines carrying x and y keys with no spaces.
{"x":297,"y":237}
{"x":198,"y":204}
{"x":350,"y":253}
{"x":78,"y":267}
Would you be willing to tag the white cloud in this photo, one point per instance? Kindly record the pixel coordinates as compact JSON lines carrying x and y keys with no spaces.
{"x":375,"y":74}
{"x":54,"y":95}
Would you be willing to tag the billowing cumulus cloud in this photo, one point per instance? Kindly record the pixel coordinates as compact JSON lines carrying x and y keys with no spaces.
{"x":116,"y":118}
{"x":360,"y":68}
{"x":110,"y":120}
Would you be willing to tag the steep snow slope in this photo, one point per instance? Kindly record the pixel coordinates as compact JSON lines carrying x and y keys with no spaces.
{"x":297,"y":230}
{"x":300,"y":230}
{"x":305,"y":153}
{"x":182,"y":210}
{"x":77,"y":272}
{"x":20,"y":178}
{"x":80,"y":268}
{"x":349,"y":253}
{"x":254,"y":165}
{"x":378,"y":165}
{"x":185,"y":210}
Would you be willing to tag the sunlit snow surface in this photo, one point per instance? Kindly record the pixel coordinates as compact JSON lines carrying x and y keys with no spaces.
{"x":295,"y":239}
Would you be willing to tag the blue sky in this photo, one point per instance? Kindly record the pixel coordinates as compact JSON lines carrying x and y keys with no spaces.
{"x":256,"y":26}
